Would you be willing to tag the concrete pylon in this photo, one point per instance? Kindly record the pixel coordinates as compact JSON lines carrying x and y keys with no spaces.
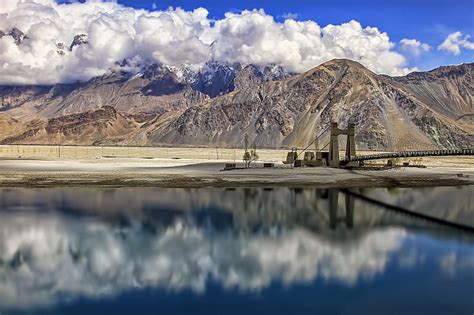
{"x":316,"y":144}
{"x":334,"y":143}
{"x":334,"y":146}
{"x":350,"y":145}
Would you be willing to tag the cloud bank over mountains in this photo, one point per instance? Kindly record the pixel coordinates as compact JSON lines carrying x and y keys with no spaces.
{"x":172,"y":37}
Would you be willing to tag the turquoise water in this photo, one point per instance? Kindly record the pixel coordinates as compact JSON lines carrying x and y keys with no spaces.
{"x":235,"y":251}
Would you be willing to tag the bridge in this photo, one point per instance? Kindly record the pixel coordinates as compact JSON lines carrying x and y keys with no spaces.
{"x":399,"y":148}
{"x":407,"y":154}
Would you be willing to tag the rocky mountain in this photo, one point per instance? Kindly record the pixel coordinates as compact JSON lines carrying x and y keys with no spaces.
{"x":91,"y":127}
{"x":217,"y":78}
{"x":164,"y":105}
{"x":388,"y":112}
{"x":147,"y":88}
{"x":17,"y":35}
{"x":10,"y":126}
{"x":154,"y":89}
{"x":81,"y":39}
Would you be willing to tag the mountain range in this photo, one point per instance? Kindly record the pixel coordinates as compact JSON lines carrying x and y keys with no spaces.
{"x":219,"y":103}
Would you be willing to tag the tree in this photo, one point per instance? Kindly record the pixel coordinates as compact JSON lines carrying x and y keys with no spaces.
{"x":251,"y":156}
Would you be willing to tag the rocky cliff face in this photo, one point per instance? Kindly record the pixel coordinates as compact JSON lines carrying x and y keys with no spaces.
{"x":386,"y":111}
{"x":17,"y":35}
{"x":104,"y":125}
{"x":448,"y":90}
{"x":150,"y":92}
{"x":78,"y":40}
{"x":155,"y":89}
{"x":164,"y":105}
{"x":217,"y":78}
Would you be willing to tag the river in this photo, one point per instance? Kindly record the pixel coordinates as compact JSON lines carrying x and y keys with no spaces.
{"x":236,"y":251}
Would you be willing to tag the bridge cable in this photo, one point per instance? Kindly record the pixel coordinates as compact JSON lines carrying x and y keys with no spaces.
{"x":409,"y":212}
{"x":324,"y":146}
{"x":320,"y":135}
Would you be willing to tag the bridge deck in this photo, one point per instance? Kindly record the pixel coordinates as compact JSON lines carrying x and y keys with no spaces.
{"x":404,"y":154}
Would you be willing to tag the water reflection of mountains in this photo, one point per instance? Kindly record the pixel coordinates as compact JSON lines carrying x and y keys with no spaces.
{"x":252,"y":209}
{"x":60,"y":244}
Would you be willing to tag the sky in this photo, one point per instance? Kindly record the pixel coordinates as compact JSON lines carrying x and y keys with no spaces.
{"x":429,"y":21}
{"x":389,"y":37}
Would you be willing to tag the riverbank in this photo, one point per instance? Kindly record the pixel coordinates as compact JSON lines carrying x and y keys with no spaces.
{"x":155,"y":172}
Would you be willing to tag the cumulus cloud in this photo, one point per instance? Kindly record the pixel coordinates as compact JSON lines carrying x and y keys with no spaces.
{"x":455,"y":42}
{"x":172,"y":37}
{"x":414,"y":46}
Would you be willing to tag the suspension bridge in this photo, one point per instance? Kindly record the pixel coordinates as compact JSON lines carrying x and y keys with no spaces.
{"x":397,"y":148}
{"x":407,"y":154}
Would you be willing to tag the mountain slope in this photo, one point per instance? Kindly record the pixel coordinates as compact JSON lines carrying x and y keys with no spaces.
{"x":155,"y":89}
{"x":418,"y":111}
{"x":9,"y":126}
{"x":291,"y":112}
{"x":92,"y":127}
{"x":448,"y":89}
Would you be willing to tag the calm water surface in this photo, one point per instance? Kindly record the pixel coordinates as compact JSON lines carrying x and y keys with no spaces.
{"x":234,"y":251}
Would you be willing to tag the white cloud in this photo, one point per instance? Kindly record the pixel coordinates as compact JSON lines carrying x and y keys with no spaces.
{"x":414,"y":47}
{"x":453,"y":263}
{"x":173,"y":37}
{"x":455,"y":42}
{"x":8,"y":6}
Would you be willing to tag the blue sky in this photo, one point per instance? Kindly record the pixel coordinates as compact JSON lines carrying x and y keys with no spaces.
{"x":386,"y":36}
{"x":428,"y":21}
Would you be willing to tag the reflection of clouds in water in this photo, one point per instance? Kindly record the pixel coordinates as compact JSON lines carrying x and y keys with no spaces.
{"x":43,"y":258}
{"x":410,"y":258}
{"x":453,"y":263}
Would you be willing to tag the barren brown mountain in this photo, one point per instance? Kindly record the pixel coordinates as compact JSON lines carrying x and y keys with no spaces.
{"x":388,"y":112}
{"x":154,"y":90}
{"x":421,"y":110}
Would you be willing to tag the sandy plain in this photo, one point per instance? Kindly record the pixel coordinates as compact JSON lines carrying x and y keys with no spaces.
{"x":43,"y":166}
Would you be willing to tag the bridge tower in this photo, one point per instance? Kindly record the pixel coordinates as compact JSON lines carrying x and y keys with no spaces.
{"x":334,"y":146}
{"x":350,"y":145}
{"x":334,"y":160}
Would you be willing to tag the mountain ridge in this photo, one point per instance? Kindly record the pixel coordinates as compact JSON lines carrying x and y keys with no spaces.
{"x":425,"y":109}
{"x":154,"y":89}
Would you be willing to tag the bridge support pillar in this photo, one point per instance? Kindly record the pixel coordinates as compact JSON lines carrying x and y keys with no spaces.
{"x":350,"y":146}
{"x":334,"y":146}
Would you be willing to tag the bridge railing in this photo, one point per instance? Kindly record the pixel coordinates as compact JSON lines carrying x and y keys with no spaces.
{"x":402,"y":154}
